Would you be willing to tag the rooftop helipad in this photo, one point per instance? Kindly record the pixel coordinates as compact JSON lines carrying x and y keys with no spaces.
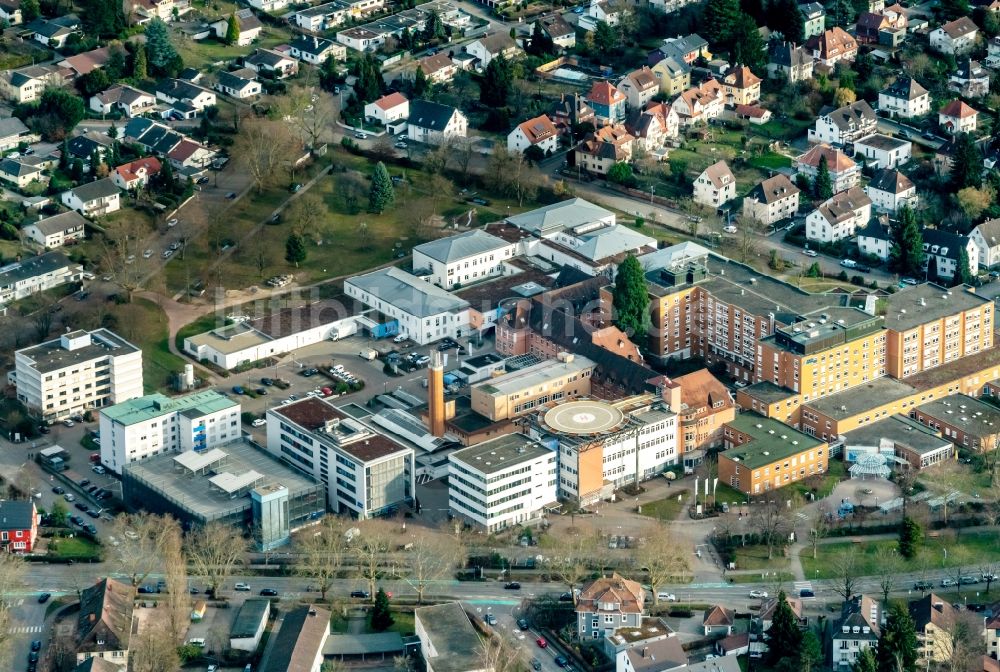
{"x":584,"y":417}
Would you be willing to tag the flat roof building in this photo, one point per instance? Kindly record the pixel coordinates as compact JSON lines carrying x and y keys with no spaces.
{"x":763,"y":454}
{"x":965,"y":421}
{"x":77,"y":372}
{"x":520,"y":391}
{"x":448,"y":641}
{"x":900,"y":440}
{"x":503,"y":482}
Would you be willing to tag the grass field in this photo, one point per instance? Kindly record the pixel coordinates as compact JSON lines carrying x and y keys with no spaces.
{"x":666,"y":509}
{"x":781,"y":577}
{"x":755,"y":557}
{"x":771,"y":161}
{"x":144,"y":324}
{"x":968,"y":549}
{"x":74,"y":547}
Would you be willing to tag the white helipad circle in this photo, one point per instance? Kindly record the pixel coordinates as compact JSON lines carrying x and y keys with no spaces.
{"x":583,"y":417}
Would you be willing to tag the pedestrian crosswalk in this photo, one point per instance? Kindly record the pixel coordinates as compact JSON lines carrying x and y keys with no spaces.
{"x":802,"y":516}
{"x":25,"y":629}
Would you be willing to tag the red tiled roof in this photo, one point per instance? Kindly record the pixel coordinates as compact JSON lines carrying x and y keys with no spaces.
{"x":605,"y":93}
{"x":130,"y":171}
{"x":390,"y":101}
{"x":958,"y":110}
{"x":538,"y":129}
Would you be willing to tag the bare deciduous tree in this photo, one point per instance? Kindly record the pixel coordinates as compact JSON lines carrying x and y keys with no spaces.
{"x":152,"y":650}
{"x":215,"y":550}
{"x":370,"y":550}
{"x":121,"y":249}
{"x":845,"y":569}
{"x":322,"y":551}
{"x":12,"y":570}
{"x":771,"y":521}
{"x":141,"y":538}
{"x":569,"y":558}
{"x":890,"y":565}
{"x":662,"y":558}
{"x":820,"y":528}
{"x":178,"y":600}
{"x":500,"y":655}
{"x":428,"y":558}
{"x":310,"y":118}
{"x":262,"y":148}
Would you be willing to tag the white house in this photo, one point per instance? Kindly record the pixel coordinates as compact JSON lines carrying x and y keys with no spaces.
{"x":425,"y":312}
{"x":36,"y":274}
{"x":10,"y":11}
{"x":181,"y":91}
{"x":322,"y":17}
{"x":56,"y":231}
{"x":93,"y":199}
{"x":943,"y":249}
{"x":250,"y":27}
{"x":77,"y":372}
{"x":875,"y":239}
{"x":890,"y":190}
{"x":316,"y":50}
{"x":639,"y":87}
{"x":462,"y":259}
{"x":365,"y":473}
{"x":486,"y":48}
{"x":13,"y":132}
{"x":986,"y":236}
{"x":839,"y":217}
{"x":905,"y":98}
{"x":845,"y":124}
{"x":773,"y":200}
{"x":269,"y":6}
{"x":858,"y":629}
{"x":957,"y":117}
{"x":135,"y":174}
{"x":388,"y":109}
{"x":955,"y":37}
{"x":598,"y":11}
{"x":434,"y":123}
{"x":272,"y":63}
{"x":144,"y":427}
{"x":716,"y":185}
{"x":502,"y":483}
{"x":538,"y":132}
{"x":20,"y":172}
{"x":240,"y":84}
{"x":130,"y":101}
{"x":844,"y":172}
{"x":883,"y":151}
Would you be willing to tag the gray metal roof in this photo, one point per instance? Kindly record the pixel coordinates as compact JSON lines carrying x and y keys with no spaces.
{"x":407,"y":292}
{"x":61,"y":222}
{"x":462,"y":246}
{"x":12,"y":126}
{"x":558,"y":216}
{"x":94,"y":190}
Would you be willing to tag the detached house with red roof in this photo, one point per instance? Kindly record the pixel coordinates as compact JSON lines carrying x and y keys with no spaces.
{"x":388,"y":109}
{"x":607,"y":102}
{"x":136,"y":174}
{"x":832,"y":46}
{"x":607,"y":604}
{"x":957,"y":117}
{"x":741,"y":86}
{"x":955,"y":37}
{"x":844,"y":172}
{"x":18,"y":525}
{"x":699,"y":103}
{"x":538,"y":132}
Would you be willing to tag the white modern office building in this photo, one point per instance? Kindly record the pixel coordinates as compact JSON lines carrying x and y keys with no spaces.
{"x":459,"y":260}
{"x":140,"y":428}
{"x":77,"y":372}
{"x":426,"y":313}
{"x":502,"y":482}
{"x":365,"y":474}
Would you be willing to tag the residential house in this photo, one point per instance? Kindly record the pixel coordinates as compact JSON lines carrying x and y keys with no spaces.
{"x":319,"y":18}
{"x":486,"y":48}
{"x":104,"y":624}
{"x":361,"y":38}
{"x":10,"y":11}
{"x":57,"y":230}
{"x":673,"y":74}
{"x":993,"y":52}
{"x":772,"y":200}
{"x":844,"y":124}
{"x":130,"y":101}
{"x":603,"y":148}
{"x":19,"y":520}
{"x":890,"y":190}
{"x":718,"y":620}
{"x":943,"y":251}
{"x":832,"y":46}
{"x":987,"y":239}
{"x":957,"y":117}
{"x":769,"y":605}
{"x":13,"y":132}
{"x":179,"y":90}
{"x":250,"y":27}
{"x":53,"y":33}
{"x":298,"y":645}
{"x":433,"y":123}
{"x":754,"y":114}
{"x":868,"y":27}
{"x":85,"y":147}
{"x":165,"y":10}
{"x":741,"y":86}
{"x":839,"y":217}
{"x":905,"y":98}
{"x":639,"y":87}
{"x":438,"y":68}
{"x":787,"y":60}
{"x":93,"y":199}
{"x":955,"y":37}
{"x":538,"y":132}
{"x":844,"y":172}
{"x":875,"y":240}
{"x":599,"y":11}
{"x":26,"y":84}
{"x":388,"y":109}
{"x":687,"y":48}
{"x":715,"y":186}
{"x":883,"y":151}
{"x":653,"y":126}
{"x":20,"y":172}
{"x":239,"y":84}
{"x":934,"y":619}
{"x":699,"y":103}
{"x":188,"y":154}
{"x":558,"y":30}
{"x":607,"y":604}
{"x":654,"y":647}
{"x":991,"y":632}
{"x":135,"y":174}
{"x":272,"y":64}
{"x":269,"y":6}
{"x":570,"y":110}
{"x":36,"y":274}
{"x":970,"y":79}
{"x":860,"y":622}
{"x":316,"y":50}
{"x":87,"y":61}
{"x":813,"y":19}
{"x":608,"y":103}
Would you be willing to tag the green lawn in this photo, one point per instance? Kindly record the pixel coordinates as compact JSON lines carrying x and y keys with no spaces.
{"x":74,"y":547}
{"x":728,"y":494}
{"x":144,"y":324}
{"x":782,"y":577}
{"x":211,"y":51}
{"x":755,"y":557}
{"x":771,"y":161}
{"x":969,"y":549}
{"x":666,"y":509}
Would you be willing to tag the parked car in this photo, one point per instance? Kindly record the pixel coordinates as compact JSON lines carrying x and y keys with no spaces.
{"x":269,"y":592}
{"x":44,"y":597}
{"x":669,"y":597}
{"x":57,"y":490}
{"x":512,"y":585}
{"x":758,"y":594}
{"x":259,"y":422}
{"x":945,"y":583}
{"x":522,"y":623}
{"x":566,"y":597}
{"x":561,"y":661}
{"x":542,"y":643}
{"x":361,"y":594}
{"x":147,"y":590}
{"x":923,"y":585}
{"x":490,"y":619}
{"x":806,"y":592}
{"x":243,"y":587}
{"x":536,"y":664}
{"x":810,"y":253}
{"x":968,"y":580}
